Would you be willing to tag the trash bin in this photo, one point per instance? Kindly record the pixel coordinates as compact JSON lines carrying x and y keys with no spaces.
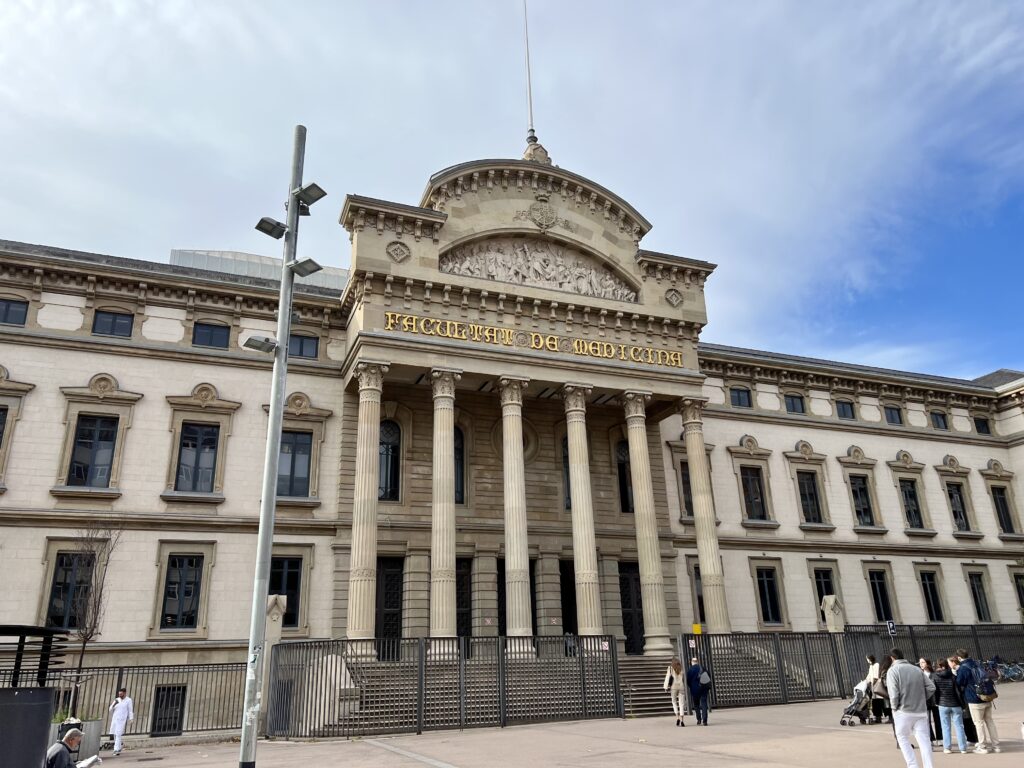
{"x":24,"y":726}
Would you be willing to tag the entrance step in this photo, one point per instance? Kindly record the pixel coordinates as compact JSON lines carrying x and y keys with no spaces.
{"x":641,"y":679}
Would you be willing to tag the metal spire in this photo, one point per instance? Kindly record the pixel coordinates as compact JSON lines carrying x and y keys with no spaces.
{"x":534,"y":149}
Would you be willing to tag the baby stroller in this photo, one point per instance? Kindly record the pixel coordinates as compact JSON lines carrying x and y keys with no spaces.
{"x":858,"y":708}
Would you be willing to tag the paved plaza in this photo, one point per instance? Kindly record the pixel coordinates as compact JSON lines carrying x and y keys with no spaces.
{"x":797,"y":735}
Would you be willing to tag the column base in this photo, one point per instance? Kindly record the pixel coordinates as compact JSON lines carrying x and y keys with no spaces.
{"x":658,"y":645}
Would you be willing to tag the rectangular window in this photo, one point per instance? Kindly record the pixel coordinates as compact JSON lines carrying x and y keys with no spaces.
{"x":844,"y":409}
{"x":794,"y":404}
{"x":112,"y":324}
{"x":1018,"y":584}
{"x":181,"y":592}
{"x":1000,"y":500}
{"x":955,"y":492}
{"x":824,"y":584}
{"x":810,"y":503}
{"x":210,"y":335}
{"x":879,"y":585}
{"x":286,"y":579}
{"x":13,"y":312}
{"x":303,"y":346}
{"x":698,"y":593}
{"x":3,"y":423}
{"x":72,"y":581}
{"x":976,"y":579}
{"x":293,"y":464}
{"x":893,"y":415}
{"x":939,"y":420}
{"x":930,"y":590}
{"x":753,"y":493}
{"x":93,"y":452}
{"x":862,"y":500}
{"x":197,"y":457}
{"x":684,"y":475}
{"x":768,"y":595}
{"x":911,"y":503}
{"x":982,"y":425}
{"x":740,"y":397}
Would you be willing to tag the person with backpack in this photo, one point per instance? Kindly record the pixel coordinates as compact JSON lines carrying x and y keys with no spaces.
{"x":979,"y":692}
{"x":698,"y":680}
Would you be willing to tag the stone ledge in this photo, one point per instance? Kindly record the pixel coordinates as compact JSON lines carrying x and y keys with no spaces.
{"x":188,"y":497}
{"x":84,"y":492}
{"x":1002,"y":536}
{"x":921,"y":532}
{"x":817,"y":527}
{"x":768,"y":524}
{"x":968,"y":535}
{"x":871,"y":530}
{"x":298,"y":502}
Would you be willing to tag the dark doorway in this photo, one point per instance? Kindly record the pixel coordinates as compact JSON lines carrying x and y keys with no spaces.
{"x":502,"y":624}
{"x":567,"y":582}
{"x":390,"y":571}
{"x":464,"y":596}
{"x":632,"y":607}
{"x":168,"y":710}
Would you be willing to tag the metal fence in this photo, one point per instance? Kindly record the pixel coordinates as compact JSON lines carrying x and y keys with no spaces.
{"x":365,"y":687}
{"x":935,"y":641}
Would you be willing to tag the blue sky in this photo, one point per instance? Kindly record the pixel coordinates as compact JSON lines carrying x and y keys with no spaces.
{"x":855,"y":169}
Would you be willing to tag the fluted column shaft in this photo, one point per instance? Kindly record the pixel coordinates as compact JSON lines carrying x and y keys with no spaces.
{"x":362,"y":589}
{"x":652,"y":583}
{"x":518,"y":621}
{"x":442,"y":530}
{"x":712,"y":578}
{"x":584,"y":546}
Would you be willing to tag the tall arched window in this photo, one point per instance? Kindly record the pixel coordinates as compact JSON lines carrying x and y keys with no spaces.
{"x":625,"y":477}
{"x":566,"y":480}
{"x":460,"y":467}
{"x":390,"y":460}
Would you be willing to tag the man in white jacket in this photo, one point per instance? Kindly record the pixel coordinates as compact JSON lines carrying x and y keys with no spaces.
{"x":122,"y":714}
{"x":909,"y":690}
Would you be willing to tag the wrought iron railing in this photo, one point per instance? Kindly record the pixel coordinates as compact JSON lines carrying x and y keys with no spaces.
{"x":30,"y":655}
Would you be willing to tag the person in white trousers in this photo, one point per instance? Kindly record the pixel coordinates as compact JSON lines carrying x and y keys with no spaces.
{"x":674,"y":680}
{"x":909,"y":690}
{"x":123,"y":713}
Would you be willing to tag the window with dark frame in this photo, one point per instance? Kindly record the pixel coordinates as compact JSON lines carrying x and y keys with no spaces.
{"x":460,"y":466}
{"x":894,"y":415}
{"x":911,"y":503}
{"x":3,"y":422}
{"x":939,"y":420}
{"x":932,"y":601}
{"x":210,"y":335}
{"x":197,"y":457}
{"x":976,"y":579}
{"x":69,"y":588}
{"x":740,"y":397}
{"x":286,"y":579}
{"x":768,"y":595}
{"x":810,"y":502}
{"x":182,"y":587}
{"x":982,"y":425}
{"x":795,"y":404}
{"x":566,"y":478}
{"x":1018,"y":583}
{"x":293,"y":466}
{"x":1001,"y":502}
{"x":106,"y":323}
{"x":390,"y":461}
{"x":92,"y":454}
{"x":824,"y":584}
{"x":684,"y":479}
{"x":844,"y":409}
{"x":878,"y":582}
{"x":303,"y":346}
{"x":698,"y":593}
{"x":861,"y":493}
{"x":957,"y":505}
{"x":13,"y":312}
{"x":753,"y":493}
{"x":625,"y":477}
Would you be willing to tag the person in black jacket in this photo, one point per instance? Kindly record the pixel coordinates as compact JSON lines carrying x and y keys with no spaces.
{"x":59,"y":755}
{"x":951,"y":707}
{"x":699,"y":690}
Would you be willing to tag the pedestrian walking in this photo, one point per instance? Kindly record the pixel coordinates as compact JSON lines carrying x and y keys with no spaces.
{"x":59,"y":755}
{"x":951,"y":707}
{"x":970,"y":677}
{"x":969,"y":729}
{"x":933,"y":710}
{"x":881,"y":690}
{"x":674,"y":685}
{"x":698,"y":680}
{"x":909,"y":689}
{"x":872,"y":677}
{"x":122,"y":712}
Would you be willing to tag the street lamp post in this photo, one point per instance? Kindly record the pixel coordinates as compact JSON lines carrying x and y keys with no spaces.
{"x":299,"y":200}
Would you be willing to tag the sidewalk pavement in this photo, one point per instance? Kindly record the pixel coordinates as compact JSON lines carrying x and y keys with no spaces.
{"x":753,"y":737}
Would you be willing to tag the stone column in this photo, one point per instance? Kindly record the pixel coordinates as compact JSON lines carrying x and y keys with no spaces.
{"x":652,"y":582}
{"x":442,"y":531}
{"x":549,"y":593}
{"x":485,"y":592}
{"x":518,"y":617}
{"x":584,"y":546}
{"x":712,"y":579}
{"x":362,"y":586}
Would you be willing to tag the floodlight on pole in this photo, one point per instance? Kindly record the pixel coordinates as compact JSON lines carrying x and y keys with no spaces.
{"x":260,"y":343}
{"x":271,"y":227}
{"x":304,"y":267}
{"x":310,"y":193}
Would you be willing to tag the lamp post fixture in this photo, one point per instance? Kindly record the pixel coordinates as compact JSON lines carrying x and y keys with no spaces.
{"x":299,"y":200}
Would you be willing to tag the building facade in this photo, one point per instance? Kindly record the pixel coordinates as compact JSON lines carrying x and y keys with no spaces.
{"x":500,"y":420}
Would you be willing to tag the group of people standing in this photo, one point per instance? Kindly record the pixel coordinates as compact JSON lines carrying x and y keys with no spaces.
{"x":934,"y":703}
{"x":697,"y":681}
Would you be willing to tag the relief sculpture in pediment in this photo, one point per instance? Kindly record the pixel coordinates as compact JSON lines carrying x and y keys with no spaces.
{"x":532,"y":261}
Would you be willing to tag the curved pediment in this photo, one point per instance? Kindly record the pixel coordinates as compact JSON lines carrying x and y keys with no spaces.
{"x":534,"y":261}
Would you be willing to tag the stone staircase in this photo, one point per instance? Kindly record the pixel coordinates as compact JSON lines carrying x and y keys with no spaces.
{"x":641,"y":679}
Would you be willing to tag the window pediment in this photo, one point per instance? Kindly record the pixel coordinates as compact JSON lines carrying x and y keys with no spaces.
{"x":804,"y":452}
{"x":749,"y":448}
{"x":205,"y":398}
{"x":951,"y":466}
{"x":904,"y":462}
{"x":855,"y":458}
{"x":995,"y":470}
{"x":101,"y":388}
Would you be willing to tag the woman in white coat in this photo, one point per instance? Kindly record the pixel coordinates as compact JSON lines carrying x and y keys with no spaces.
{"x":674,"y":679}
{"x":123,"y":712}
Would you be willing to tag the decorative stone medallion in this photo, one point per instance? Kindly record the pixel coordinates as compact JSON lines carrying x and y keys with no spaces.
{"x":542,"y":214}
{"x":673,"y":297}
{"x":398,"y":252}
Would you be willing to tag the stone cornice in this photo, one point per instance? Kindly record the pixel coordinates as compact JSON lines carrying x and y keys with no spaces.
{"x":366,"y":213}
{"x":161,"y":521}
{"x":675,"y":269}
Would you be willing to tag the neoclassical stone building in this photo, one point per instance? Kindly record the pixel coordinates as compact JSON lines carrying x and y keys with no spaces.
{"x":500,"y":421}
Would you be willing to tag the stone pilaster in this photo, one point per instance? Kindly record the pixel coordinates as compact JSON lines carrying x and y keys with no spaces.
{"x":442,"y":532}
{"x":518,"y":617}
{"x":716,"y":610}
{"x":652,"y":583}
{"x":363,"y":573}
{"x":584,"y":546}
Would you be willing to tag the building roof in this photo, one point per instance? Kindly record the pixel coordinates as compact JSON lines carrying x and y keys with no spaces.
{"x":1000,"y":377}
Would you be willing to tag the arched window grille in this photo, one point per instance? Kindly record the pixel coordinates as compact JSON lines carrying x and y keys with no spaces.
{"x":625,"y":477}
{"x":460,"y":467}
{"x":390,"y":460}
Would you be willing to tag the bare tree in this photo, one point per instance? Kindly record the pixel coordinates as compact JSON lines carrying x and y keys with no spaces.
{"x":95,"y":544}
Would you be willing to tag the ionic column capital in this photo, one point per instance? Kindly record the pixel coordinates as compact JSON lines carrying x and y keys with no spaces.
{"x":691,"y":409}
{"x":443,"y":382}
{"x":371,"y":375}
{"x":575,"y":397}
{"x":635,"y":404}
{"x":511,"y":390}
